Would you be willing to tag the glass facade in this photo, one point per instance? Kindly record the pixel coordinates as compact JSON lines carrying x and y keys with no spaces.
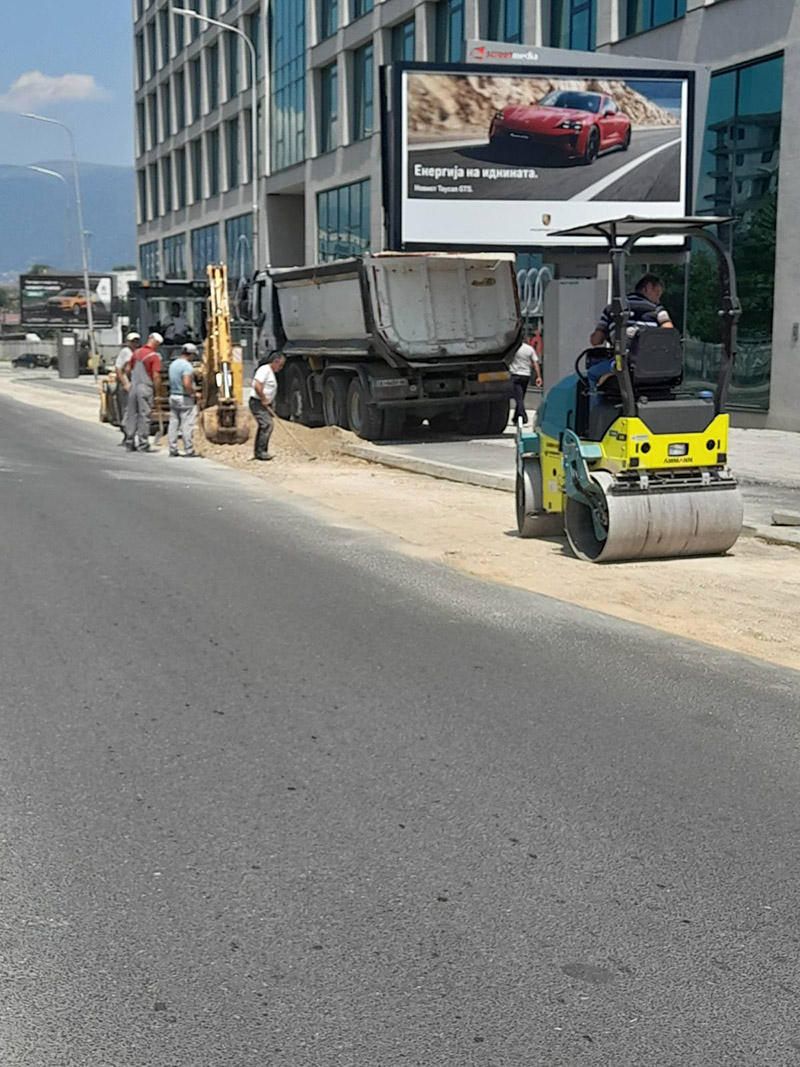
{"x":166,"y":112}
{"x":288,"y":64}
{"x":166,"y":183}
{"x":449,"y":46}
{"x":174,"y":255}
{"x":505,"y":20}
{"x":404,"y":40}
{"x":232,"y":152}
{"x":152,"y":107}
{"x":361,"y":7}
{"x":148,"y":260}
{"x":573,"y":24}
{"x":180,"y":177}
{"x":141,"y":181}
{"x":196,"y":83}
{"x":140,"y":76}
{"x":232,"y":58}
{"x":253,"y":30}
{"x":239,"y":247}
{"x":343,"y":221}
{"x":197,"y":169}
{"x":212,"y":76}
{"x":739,"y":177}
{"x":180,"y":100}
{"x":163,"y":26}
{"x":363,"y":93}
{"x":646,"y":14}
{"x":141,"y":127}
{"x":152,"y":54}
{"x":155,"y":198}
{"x":212,"y":157}
{"x":328,"y":18}
{"x":194,"y":5}
{"x":205,"y":249}
{"x":179,"y":31}
{"x":328,"y":107}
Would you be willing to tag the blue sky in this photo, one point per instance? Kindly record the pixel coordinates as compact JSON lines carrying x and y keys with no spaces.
{"x":92,"y":39}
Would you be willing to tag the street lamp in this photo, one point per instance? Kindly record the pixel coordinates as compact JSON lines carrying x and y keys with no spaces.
{"x":63,"y":180}
{"x":254,"y":113}
{"x":81,"y":234}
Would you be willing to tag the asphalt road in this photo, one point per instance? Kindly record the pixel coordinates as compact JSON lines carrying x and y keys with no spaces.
{"x":273,"y":793}
{"x":657,"y":178}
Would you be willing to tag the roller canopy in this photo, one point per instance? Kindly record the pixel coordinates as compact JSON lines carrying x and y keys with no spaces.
{"x":631,"y":225}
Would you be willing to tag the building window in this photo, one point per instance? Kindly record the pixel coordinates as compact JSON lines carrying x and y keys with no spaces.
{"x":363,"y":90}
{"x":148,"y":260}
{"x":343,"y":221}
{"x":139,"y":8}
{"x":211,"y":9}
{"x":212,"y":76}
{"x":232,"y":139}
{"x":645,"y":14}
{"x":743,"y":123}
{"x":205,"y":248}
{"x":152,"y":107}
{"x":194,"y":5}
{"x":572,"y":24}
{"x":155,"y":199}
{"x":450,"y":31}
{"x":166,"y":183}
{"x":152,"y":52}
{"x":174,"y":251}
{"x":403,"y":40}
{"x":163,"y":26}
{"x":505,"y":20}
{"x":212,"y":155}
{"x":141,"y":127}
{"x":232,"y":64}
{"x":166,"y":112}
{"x":140,"y":76}
{"x":141,"y":177}
{"x":239,"y":246}
{"x":179,"y":31}
{"x":253,"y":30}
{"x":197,"y":169}
{"x":180,"y":101}
{"x":328,"y":107}
{"x":247,"y":119}
{"x":328,"y":18}
{"x":288,"y":142}
{"x":180,"y":176}
{"x":197,"y":88}
{"x":361,"y":7}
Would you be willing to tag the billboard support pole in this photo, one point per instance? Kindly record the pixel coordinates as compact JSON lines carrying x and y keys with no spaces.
{"x":87,"y":289}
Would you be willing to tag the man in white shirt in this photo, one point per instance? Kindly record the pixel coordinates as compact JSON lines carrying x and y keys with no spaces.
{"x":175,"y":327}
{"x":524,"y":363}
{"x":122,"y":367}
{"x":262,"y":396}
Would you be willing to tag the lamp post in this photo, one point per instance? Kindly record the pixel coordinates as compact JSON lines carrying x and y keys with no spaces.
{"x":254,"y":112}
{"x":82,"y":235}
{"x":63,"y":180}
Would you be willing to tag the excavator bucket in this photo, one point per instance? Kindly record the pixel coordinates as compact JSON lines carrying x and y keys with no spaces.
{"x":226,"y":425}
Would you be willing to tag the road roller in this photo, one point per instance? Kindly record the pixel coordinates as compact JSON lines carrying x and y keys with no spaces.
{"x":636,"y":468}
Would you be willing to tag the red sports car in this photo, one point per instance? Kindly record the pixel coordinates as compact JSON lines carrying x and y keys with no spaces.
{"x":579,"y":125}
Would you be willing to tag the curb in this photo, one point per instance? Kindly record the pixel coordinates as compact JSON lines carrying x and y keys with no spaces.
{"x":432,"y":468}
{"x":768,"y":534}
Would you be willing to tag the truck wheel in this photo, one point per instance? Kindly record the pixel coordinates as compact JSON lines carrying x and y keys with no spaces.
{"x":334,"y":401}
{"x":498,"y":417}
{"x":297,"y":394}
{"x":474,"y":421}
{"x":365,"y":419}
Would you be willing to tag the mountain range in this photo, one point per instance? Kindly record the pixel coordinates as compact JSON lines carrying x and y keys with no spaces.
{"x":38,"y":219}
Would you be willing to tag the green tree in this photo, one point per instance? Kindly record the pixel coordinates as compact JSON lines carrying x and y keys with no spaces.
{"x":39,"y":268}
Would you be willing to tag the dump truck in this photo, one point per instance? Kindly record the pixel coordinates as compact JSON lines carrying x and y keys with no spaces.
{"x":381,"y":342}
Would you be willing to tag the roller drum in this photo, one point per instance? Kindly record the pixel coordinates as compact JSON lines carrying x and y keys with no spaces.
{"x":655,"y":525}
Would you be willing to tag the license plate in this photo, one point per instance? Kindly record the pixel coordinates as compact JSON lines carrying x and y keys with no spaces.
{"x":494,"y":376}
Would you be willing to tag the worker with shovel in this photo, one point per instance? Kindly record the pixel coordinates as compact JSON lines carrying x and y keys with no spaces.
{"x":262,"y":395}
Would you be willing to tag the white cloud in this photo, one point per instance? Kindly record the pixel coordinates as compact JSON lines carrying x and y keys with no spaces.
{"x":33,"y":89}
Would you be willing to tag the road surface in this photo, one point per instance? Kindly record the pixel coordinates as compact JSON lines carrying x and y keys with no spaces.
{"x":655,"y":178}
{"x":276,"y":794}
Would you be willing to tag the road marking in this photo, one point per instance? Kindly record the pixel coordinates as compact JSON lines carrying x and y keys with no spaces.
{"x":615,"y":175}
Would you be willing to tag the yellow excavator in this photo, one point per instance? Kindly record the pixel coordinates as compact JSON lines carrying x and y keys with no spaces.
{"x":223,"y":417}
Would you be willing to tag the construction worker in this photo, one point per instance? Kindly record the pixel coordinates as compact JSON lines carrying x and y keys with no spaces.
{"x":644,"y":312}
{"x":122,"y":367}
{"x":182,"y":405}
{"x":176,"y":328}
{"x":145,"y":368}
{"x":262,"y":395}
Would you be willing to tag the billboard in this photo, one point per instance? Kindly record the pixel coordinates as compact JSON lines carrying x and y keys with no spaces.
{"x":60,"y":300}
{"x":500,"y":157}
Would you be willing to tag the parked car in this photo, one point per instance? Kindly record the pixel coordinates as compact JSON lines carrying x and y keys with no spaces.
{"x":34,"y":359}
{"x":578,"y":125}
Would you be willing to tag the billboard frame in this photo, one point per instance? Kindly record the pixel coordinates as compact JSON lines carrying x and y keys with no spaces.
{"x":73,"y":280}
{"x":393,"y":157}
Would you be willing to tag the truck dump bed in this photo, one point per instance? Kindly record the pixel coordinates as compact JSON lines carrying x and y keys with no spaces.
{"x":408,"y":309}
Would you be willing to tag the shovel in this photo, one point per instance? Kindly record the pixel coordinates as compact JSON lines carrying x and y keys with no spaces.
{"x":296,"y":440}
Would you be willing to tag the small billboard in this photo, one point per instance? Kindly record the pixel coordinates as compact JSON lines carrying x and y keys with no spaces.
{"x":501,"y":157}
{"x":60,"y":299}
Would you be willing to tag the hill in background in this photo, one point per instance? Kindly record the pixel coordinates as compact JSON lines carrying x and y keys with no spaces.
{"x":33,"y":222}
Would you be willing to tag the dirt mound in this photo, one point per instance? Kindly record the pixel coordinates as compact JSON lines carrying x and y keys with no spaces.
{"x":439,"y":104}
{"x":289,"y":442}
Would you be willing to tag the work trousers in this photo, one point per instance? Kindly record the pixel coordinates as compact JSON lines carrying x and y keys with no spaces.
{"x":122,"y":405}
{"x":520,"y":382}
{"x":265,"y":420}
{"x":137,"y":416}
{"x":182,"y":415}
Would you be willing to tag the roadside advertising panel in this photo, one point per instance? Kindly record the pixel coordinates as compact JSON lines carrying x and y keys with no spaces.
{"x":60,"y":300}
{"x":496,"y":156}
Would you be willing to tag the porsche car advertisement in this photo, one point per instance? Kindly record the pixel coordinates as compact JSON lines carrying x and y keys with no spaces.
{"x":498,"y":158}
{"x":60,"y":299}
